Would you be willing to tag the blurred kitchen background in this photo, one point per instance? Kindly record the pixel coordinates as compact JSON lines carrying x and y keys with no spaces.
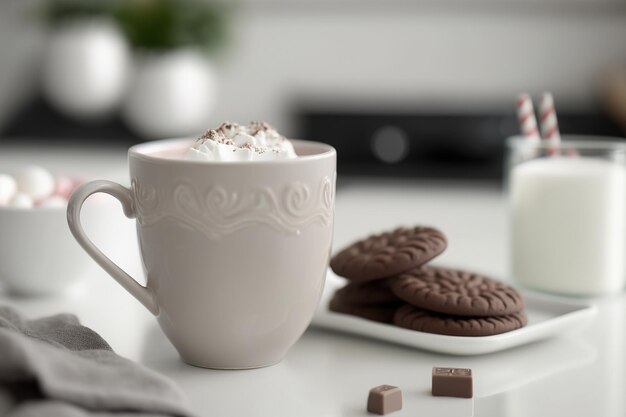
{"x":417,"y":88}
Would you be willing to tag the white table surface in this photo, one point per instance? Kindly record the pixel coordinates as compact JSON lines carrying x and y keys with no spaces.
{"x":328,"y":374}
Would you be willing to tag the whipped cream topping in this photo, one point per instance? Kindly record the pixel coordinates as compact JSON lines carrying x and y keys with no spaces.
{"x":233,"y":142}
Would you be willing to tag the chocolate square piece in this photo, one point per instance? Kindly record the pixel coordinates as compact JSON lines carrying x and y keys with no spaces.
{"x":452,"y":382}
{"x":384,"y":399}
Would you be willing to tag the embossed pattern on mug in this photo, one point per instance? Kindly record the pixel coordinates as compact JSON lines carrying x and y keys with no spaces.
{"x":219,"y":212}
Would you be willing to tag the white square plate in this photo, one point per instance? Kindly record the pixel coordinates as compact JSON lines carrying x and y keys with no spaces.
{"x":548,"y":316}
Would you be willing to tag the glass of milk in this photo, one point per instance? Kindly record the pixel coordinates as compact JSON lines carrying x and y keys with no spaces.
{"x":568,"y":214}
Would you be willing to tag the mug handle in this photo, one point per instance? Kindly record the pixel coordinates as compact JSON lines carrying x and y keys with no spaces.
{"x":123,"y":194}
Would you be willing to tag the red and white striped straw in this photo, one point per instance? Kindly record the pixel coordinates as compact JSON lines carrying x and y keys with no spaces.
{"x":549,"y":123}
{"x":526,"y":117}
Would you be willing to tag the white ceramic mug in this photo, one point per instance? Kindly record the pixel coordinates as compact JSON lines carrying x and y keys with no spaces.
{"x":235,"y":253}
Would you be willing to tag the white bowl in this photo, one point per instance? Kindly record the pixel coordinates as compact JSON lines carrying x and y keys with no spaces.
{"x":38,"y":255}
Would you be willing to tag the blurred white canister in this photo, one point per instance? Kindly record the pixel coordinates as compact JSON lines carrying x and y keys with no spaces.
{"x":171,"y":94}
{"x":85,"y":68}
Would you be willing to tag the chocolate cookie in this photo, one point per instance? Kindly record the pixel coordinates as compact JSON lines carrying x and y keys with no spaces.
{"x":373,"y":292}
{"x":456,"y":292}
{"x":415,"y":318}
{"x":376,"y":312}
{"x":387,"y":254}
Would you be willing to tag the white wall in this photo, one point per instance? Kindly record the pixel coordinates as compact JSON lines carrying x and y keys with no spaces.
{"x":20,"y":45}
{"x":414,"y":52}
{"x":413,"y":55}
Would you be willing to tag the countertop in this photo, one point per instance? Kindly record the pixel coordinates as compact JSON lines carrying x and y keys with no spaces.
{"x":328,"y":373}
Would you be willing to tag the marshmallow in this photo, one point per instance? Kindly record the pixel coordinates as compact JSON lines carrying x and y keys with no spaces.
{"x":54,"y":201}
{"x":34,"y":181}
{"x":232,"y":142}
{"x":8,"y":188}
{"x":63,"y":187}
{"x":21,"y":200}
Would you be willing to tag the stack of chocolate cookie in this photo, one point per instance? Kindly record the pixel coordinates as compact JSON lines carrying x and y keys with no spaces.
{"x":391,"y":283}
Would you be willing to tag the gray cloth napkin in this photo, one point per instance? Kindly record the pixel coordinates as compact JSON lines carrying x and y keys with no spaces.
{"x":55,"y":367}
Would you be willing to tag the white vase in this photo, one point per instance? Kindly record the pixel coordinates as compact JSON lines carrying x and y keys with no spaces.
{"x":85,"y":68}
{"x":171,"y":94}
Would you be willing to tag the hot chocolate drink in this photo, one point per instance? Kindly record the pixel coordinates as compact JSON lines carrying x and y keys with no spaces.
{"x":233,"y":142}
